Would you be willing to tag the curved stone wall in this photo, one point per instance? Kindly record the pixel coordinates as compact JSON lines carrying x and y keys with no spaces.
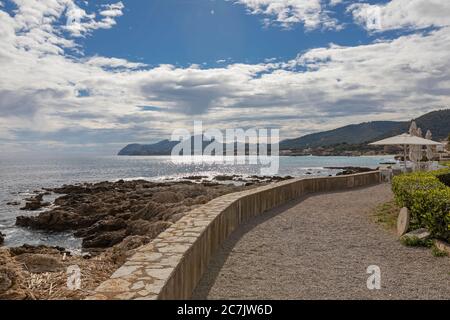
{"x":171,"y":266}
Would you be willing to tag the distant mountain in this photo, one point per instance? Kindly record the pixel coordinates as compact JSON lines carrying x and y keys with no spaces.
{"x":437,"y":121}
{"x":165,"y":147}
{"x":352,"y":134}
{"x":161,"y":148}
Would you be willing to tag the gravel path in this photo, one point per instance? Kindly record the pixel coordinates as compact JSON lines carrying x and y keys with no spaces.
{"x":320,"y":248}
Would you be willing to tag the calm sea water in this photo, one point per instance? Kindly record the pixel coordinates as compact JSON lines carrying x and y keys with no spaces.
{"x":21,"y":175}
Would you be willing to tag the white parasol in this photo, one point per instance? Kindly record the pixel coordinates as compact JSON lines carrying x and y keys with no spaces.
{"x":405,"y":140}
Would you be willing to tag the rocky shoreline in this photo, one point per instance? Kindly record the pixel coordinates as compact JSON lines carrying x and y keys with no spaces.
{"x":113,"y":219}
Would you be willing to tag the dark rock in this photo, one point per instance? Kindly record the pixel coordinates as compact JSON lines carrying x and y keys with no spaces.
{"x":150,"y":211}
{"x":351,"y":170}
{"x":225,"y":177}
{"x":145,"y":228}
{"x":13,"y":203}
{"x":86,"y":255}
{"x":35,"y":203}
{"x":127,"y":248}
{"x":102,"y":226}
{"x":105,"y":213}
{"x":2,"y":238}
{"x":37,"y":198}
{"x":86,"y":209}
{"x":104,"y":240}
{"x":31,"y":206}
{"x":55,"y":220}
{"x":210,"y":184}
{"x":26,"y":248}
{"x":195,"y":177}
{"x":167,"y":197}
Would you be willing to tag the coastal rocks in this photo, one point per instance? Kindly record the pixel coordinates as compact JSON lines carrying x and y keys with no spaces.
{"x":101,"y":227}
{"x":2,"y":238}
{"x":226,"y":178}
{"x":35,"y":203}
{"x":142,"y":227}
{"x":104,"y":214}
{"x":150,"y":211}
{"x":167,"y":197}
{"x":13,"y":203}
{"x":195,"y":178}
{"x":251,"y":179}
{"x":104,"y":240}
{"x":351,"y":170}
{"x":40,"y":263}
{"x":55,"y":220}
{"x":125,"y":249}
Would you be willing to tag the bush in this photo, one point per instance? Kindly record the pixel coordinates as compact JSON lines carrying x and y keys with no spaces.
{"x":427,"y":198}
{"x":438,"y":253}
{"x":445,"y":179}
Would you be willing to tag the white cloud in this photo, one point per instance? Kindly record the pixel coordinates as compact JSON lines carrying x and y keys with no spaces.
{"x":80,"y":23}
{"x":310,"y":13}
{"x":321,"y":89}
{"x":397,"y":14}
{"x":113,"y":63}
{"x":113,"y":10}
{"x":335,"y":2}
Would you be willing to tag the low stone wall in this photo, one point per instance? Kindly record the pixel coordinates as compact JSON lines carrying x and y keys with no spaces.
{"x":171,"y":266}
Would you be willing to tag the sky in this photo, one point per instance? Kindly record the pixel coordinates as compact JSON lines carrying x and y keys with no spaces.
{"x":94,"y":76}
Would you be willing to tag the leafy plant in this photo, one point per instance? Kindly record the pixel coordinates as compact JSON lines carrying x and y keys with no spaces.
{"x":428,"y":200}
{"x":415,"y":242}
{"x":435,"y":251}
{"x":386,"y":214}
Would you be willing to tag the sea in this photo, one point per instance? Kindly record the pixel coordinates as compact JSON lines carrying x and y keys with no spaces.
{"x":21,"y":175}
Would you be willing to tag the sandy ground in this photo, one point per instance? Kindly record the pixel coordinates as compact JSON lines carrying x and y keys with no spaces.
{"x":320,"y":248}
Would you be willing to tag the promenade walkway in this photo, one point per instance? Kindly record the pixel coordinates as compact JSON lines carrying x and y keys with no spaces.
{"x":320,"y":248}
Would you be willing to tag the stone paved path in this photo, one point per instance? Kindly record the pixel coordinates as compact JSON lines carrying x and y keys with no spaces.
{"x":320,"y":248}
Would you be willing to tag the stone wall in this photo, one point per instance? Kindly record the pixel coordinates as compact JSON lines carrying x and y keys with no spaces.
{"x":171,"y":266}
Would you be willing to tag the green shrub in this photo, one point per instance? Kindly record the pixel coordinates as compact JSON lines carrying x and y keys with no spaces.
{"x":428,"y":200}
{"x":445,"y":179}
{"x":416,"y":242}
{"x":437,"y":252}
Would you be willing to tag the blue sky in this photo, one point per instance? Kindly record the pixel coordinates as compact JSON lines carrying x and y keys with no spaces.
{"x":95,"y":75}
{"x":205,"y":31}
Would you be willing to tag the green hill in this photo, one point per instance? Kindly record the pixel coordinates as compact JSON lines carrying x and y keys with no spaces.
{"x":356,"y":134}
{"x":437,"y":121}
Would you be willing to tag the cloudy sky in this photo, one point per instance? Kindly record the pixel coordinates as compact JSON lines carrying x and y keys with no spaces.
{"x":96,"y":75}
